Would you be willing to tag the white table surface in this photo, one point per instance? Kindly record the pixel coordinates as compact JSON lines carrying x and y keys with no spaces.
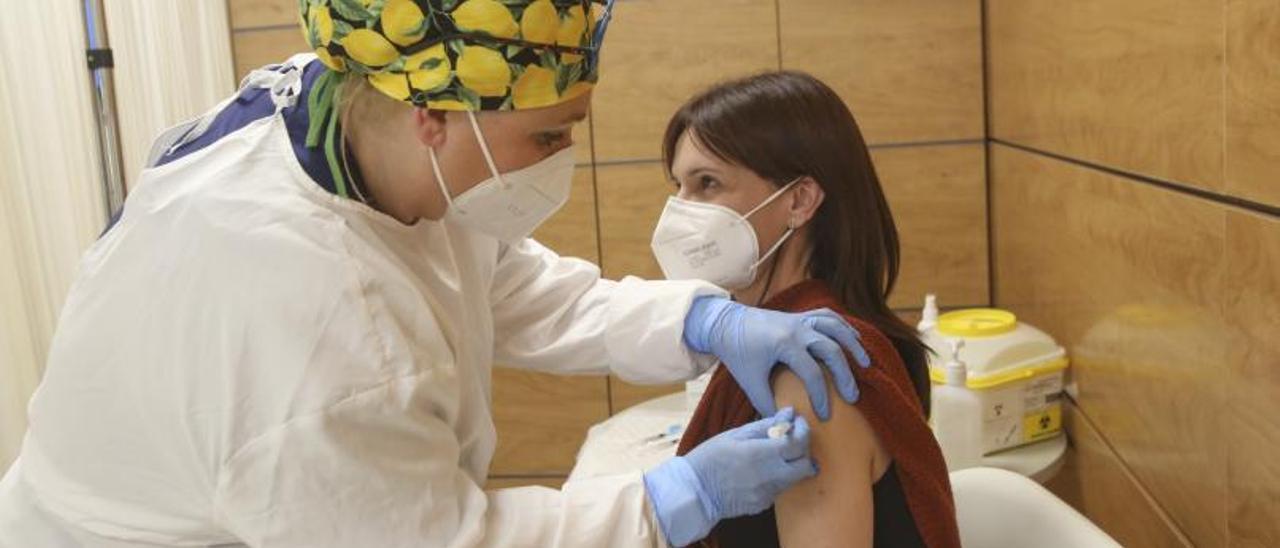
{"x":633,"y":440}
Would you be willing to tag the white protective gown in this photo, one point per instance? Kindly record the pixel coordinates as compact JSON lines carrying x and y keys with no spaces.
{"x":246,"y":358}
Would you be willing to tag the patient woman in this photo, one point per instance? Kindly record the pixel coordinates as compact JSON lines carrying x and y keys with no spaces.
{"x":783,"y":151}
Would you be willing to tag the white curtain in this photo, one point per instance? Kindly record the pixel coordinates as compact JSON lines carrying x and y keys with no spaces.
{"x":173,"y":61}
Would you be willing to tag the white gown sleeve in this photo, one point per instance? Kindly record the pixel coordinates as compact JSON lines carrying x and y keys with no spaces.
{"x":556,"y":314}
{"x":380,"y":469}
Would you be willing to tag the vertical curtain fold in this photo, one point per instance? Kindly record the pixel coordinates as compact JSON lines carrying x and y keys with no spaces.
{"x":173,"y":61}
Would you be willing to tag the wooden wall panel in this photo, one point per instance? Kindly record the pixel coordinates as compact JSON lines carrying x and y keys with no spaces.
{"x":1253,"y":100}
{"x":257,"y":48}
{"x":572,"y":230}
{"x":660,"y":52}
{"x":1253,"y":397}
{"x":938,"y":198}
{"x":542,"y":420}
{"x":631,"y":197}
{"x":1129,"y":278}
{"x":506,"y":482}
{"x":1097,"y":484}
{"x":1168,"y":301}
{"x":1135,"y":85}
{"x":910,"y":70}
{"x":623,"y":394}
{"x":263,"y":13}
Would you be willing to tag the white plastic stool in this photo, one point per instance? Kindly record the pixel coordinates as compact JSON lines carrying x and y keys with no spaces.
{"x":997,"y":509}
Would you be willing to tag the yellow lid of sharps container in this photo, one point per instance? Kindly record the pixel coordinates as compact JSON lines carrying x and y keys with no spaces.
{"x":977,"y":322}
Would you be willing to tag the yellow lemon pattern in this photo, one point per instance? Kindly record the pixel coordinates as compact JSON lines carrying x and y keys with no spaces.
{"x":459,"y":54}
{"x":487,"y":16}
{"x":571,"y":31}
{"x":321,"y":23}
{"x":535,"y":88}
{"x":484,"y":71}
{"x":429,"y":69}
{"x":369,"y":48}
{"x":393,"y":84}
{"x":334,"y":63}
{"x":403,"y":22}
{"x":540,"y":22}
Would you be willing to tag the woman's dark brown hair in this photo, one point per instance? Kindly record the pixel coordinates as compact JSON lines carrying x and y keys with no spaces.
{"x":784,"y":125}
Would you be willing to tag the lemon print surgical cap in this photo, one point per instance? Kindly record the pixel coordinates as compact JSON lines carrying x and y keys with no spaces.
{"x":462,"y":54}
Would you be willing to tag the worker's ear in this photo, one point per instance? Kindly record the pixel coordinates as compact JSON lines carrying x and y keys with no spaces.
{"x":429,"y":126}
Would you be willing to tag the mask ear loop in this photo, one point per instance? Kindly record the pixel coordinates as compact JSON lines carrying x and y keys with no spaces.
{"x":773,"y":197}
{"x":484,"y":147}
{"x":785,"y":235}
{"x":773,"y":267}
{"x":435,"y":168}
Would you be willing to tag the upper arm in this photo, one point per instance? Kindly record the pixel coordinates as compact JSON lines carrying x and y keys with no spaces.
{"x":549,"y":312}
{"x":556,"y":313}
{"x":834,"y":508}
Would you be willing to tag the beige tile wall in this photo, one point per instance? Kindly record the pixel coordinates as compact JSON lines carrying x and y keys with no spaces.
{"x":1135,"y":84}
{"x":910,"y":71}
{"x":1109,"y":120}
{"x":1094,"y":478}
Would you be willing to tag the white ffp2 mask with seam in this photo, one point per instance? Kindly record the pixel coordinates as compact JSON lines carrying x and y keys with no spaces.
{"x":509,"y":206}
{"x":699,"y":241}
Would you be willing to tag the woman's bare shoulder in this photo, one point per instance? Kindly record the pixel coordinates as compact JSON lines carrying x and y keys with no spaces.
{"x":835,"y":507}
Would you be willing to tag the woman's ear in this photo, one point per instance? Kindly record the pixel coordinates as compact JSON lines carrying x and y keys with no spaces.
{"x":807,"y":197}
{"x":429,"y":126}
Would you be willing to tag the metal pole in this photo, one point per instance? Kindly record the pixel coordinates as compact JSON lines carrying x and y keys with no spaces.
{"x":104,"y":104}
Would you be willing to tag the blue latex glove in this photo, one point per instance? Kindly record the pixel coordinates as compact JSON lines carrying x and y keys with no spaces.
{"x":750,"y":341}
{"x":737,"y":473}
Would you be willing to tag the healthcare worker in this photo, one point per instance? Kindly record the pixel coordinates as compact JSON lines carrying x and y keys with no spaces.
{"x":287,"y":338}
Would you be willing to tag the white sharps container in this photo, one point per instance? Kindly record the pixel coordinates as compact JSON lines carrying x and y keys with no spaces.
{"x":1015,"y":369}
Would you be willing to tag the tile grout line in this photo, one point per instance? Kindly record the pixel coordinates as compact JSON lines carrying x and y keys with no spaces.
{"x":263,"y":28}
{"x":1132,"y":477}
{"x":1226,"y":69}
{"x":879,"y":146}
{"x":1180,"y":188}
{"x":777,"y":28}
{"x":985,"y":42}
{"x":595,"y":211}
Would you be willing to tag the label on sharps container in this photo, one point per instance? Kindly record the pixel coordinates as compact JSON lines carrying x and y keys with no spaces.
{"x":1042,"y":424}
{"x":1025,"y":412}
{"x":1002,"y":415}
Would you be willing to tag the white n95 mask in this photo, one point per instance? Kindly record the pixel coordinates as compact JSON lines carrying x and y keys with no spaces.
{"x":509,"y":206}
{"x":697,"y":241}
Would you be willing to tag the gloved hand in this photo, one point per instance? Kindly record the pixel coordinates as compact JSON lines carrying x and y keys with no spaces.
{"x":750,"y":341}
{"x":738,"y":472}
